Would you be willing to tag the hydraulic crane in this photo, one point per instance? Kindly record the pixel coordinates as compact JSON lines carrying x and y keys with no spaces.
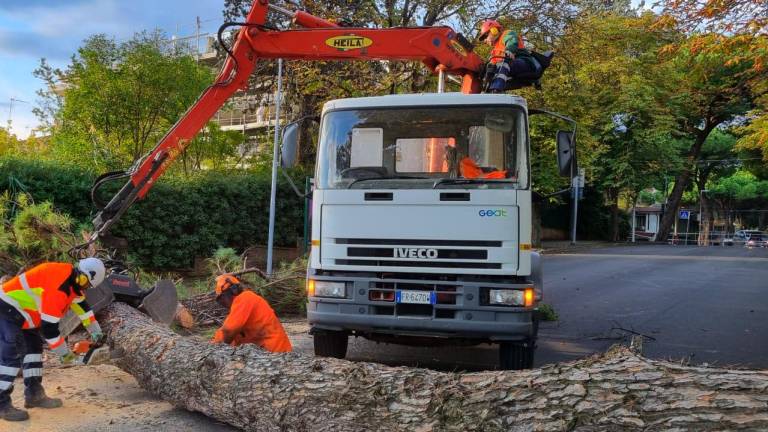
{"x":441,"y":49}
{"x":424,"y":141}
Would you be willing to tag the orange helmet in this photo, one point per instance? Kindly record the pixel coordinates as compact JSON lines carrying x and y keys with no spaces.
{"x":489,"y":27}
{"x":224,"y":282}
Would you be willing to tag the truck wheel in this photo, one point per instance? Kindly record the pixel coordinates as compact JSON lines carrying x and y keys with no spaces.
{"x":330,"y":344}
{"x":516,"y":355}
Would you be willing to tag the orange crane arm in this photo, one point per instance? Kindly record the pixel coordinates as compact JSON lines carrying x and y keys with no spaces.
{"x":439,"y":48}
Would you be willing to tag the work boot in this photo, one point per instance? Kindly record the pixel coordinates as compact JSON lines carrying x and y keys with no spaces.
{"x":35,"y":397}
{"x":8,"y":412}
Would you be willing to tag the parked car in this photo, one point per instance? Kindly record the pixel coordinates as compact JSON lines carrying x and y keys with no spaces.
{"x":741,"y":237}
{"x":717,"y":238}
{"x":757,"y":240}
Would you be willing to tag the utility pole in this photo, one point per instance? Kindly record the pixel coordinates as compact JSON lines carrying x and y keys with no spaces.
{"x":197,"y":39}
{"x":10,"y":112}
{"x":273,"y":192}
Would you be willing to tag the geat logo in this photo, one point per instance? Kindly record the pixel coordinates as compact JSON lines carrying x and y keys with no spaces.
{"x":493,"y":213}
{"x":346,"y":43}
{"x":415,"y":253}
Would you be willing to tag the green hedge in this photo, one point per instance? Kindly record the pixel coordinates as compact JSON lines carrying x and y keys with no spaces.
{"x":181,"y":218}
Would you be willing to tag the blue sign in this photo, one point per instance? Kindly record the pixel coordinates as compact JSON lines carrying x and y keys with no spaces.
{"x":685,"y":214}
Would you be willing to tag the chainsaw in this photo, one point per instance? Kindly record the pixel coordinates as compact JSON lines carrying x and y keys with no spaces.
{"x":91,"y":353}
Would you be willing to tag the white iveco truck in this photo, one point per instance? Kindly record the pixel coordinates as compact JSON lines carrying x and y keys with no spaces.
{"x":421,"y":224}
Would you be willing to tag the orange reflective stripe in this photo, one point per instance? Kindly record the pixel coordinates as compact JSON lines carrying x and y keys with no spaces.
{"x":55,"y":342}
{"x":49,"y":318}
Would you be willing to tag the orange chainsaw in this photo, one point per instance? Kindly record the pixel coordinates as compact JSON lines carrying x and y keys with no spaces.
{"x":91,"y":353}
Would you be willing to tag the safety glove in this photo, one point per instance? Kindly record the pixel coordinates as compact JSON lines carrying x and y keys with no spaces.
{"x":68,"y":359}
{"x":95,"y":331}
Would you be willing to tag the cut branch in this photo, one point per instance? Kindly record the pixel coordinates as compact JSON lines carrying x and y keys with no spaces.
{"x":258,"y":391}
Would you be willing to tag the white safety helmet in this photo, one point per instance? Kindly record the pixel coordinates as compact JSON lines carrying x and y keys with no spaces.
{"x":93,"y":269}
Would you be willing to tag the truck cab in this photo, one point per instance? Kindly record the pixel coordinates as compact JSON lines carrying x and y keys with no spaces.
{"x":421,"y":225}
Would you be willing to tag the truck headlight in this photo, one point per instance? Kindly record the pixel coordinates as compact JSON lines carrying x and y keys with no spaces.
{"x":327,"y":289}
{"x":511,"y":297}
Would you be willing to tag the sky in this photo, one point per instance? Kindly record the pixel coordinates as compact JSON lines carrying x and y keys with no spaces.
{"x":54,"y":29}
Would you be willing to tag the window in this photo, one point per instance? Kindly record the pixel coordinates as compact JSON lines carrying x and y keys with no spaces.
{"x":486,"y":147}
{"x":641,"y":221}
{"x":424,"y":155}
{"x":413,"y":147}
{"x":367,"y":146}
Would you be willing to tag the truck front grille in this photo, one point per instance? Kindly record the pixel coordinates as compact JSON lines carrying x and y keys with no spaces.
{"x":419,"y":242}
{"x":447,"y":297}
{"x":433,"y":264}
{"x":416,"y":253}
{"x":377,"y":252}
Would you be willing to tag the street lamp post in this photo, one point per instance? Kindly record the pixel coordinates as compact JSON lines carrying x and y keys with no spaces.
{"x":273,"y":191}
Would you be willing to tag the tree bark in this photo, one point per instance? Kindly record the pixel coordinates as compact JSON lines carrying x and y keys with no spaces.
{"x":613,"y":199}
{"x":258,"y":391}
{"x":682,"y":181}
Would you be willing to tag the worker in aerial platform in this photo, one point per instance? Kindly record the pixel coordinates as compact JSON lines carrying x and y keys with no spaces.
{"x":509,"y":56}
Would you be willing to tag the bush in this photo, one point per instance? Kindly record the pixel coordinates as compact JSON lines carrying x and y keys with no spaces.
{"x":31,"y":232}
{"x":180,"y":219}
{"x":547,"y":312}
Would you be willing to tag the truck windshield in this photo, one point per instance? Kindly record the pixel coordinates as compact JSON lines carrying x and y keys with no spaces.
{"x":426,"y":147}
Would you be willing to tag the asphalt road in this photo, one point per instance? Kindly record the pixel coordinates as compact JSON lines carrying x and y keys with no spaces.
{"x":697,"y":305}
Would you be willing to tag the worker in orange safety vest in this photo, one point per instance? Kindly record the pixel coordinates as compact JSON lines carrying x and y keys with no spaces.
{"x":509,"y":56}
{"x":32,"y":304}
{"x":250,"y":319}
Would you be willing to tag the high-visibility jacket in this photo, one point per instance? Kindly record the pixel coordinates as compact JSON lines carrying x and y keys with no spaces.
{"x":42,"y":295}
{"x":508,"y":41}
{"x":252,"y":320}
{"x":470,"y":170}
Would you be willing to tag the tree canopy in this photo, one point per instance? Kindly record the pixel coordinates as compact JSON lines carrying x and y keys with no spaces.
{"x":657,"y":96}
{"x":114,"y":101}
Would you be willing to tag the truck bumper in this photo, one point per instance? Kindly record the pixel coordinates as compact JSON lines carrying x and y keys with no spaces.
{"x":459,"y":312}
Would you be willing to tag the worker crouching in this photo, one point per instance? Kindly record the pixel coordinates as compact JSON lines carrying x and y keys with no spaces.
{"x":32,"y":304}
{"x":250,"y":318}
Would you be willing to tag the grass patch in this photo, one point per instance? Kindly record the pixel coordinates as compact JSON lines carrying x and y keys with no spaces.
{"x":547,"y":312}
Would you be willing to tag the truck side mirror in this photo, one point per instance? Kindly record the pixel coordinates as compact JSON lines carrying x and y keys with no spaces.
{"x":289,"y":144}
{"x":566,"y":155}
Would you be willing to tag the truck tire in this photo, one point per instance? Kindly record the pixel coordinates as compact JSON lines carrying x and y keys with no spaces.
{"x":516,"y":355}
{"x":330,"y":344}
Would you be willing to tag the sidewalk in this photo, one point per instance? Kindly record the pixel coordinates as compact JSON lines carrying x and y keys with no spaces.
{"x":549,"y":247}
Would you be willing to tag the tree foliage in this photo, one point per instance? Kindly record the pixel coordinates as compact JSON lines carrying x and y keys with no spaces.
{"x":31,"y":232}
{"x":116,"y":99}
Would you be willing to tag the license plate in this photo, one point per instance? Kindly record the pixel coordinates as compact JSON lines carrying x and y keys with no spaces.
{"x":415,"y":297}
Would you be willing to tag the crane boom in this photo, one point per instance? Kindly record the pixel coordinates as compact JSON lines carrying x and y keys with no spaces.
{"x":439,"y":48}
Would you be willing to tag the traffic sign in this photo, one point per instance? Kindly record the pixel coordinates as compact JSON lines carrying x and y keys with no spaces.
{"x":685,"y":214}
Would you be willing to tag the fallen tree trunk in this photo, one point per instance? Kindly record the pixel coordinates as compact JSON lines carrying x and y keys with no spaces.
{"x":258,"y":391}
